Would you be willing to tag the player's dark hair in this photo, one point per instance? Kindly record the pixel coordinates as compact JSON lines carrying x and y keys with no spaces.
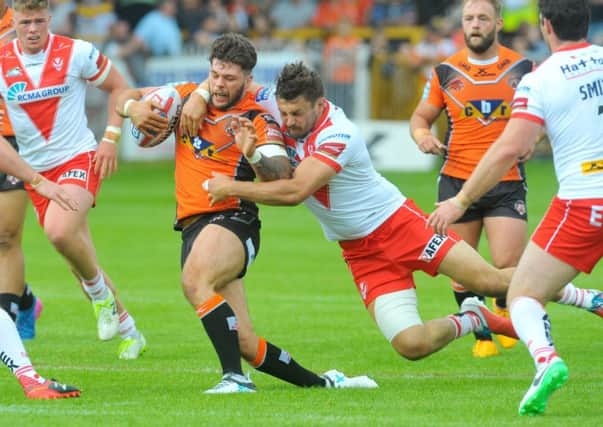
{"x":21,"y":5}
{"x":236,"y":49}
{"x":569,"y":18}
{"x":295,"y":80}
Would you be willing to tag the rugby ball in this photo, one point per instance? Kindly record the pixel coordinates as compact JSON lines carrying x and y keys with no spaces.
{"x":171,"y":105}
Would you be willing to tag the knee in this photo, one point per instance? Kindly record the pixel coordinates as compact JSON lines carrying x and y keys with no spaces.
{"x":196,"y":286}
{"x":189,"y":287}
{"x":57,"y":235}
{"x":9,"y":239}
{"x":410,"y":349}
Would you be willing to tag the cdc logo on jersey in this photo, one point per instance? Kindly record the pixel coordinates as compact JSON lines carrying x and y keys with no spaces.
{"x":171,"y":105}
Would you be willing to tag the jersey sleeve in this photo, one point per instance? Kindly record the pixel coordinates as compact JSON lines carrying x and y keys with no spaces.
{"x":93,"y":65}
{"x":528,"y":102}
{"x":184,"y":88}
{"x":265,"y":97}
{"x":334,"y":147}
{"x":267,"y":129}
{"x":432,"y":93}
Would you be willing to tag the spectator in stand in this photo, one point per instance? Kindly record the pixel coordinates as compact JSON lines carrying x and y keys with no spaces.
{"x":435,"y":46}
{"x":62,"y":17}
{"x":291,"y":14}
{"x":211,"y":28}
{"x":530,"y":44}
{"x":261,"y":36}
{"x":117,"y":47}
{"x":132,"y":11}
{"x":158,"y":33}
{"x":339,"y":62}
{"x":516,"y":12}
{"x":190,"y":15}
{"x":428,"y":9}
{"x":329,"y":12}
{"x":393,"y":12}
{"x":239,"y":13}
{"x":93,"y":19}
{"x":147,"y":40}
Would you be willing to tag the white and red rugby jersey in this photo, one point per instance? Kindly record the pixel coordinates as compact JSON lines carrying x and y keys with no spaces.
{"x":357,"y":199}
{"x":45,"y":97}
{"x":565,"y":94}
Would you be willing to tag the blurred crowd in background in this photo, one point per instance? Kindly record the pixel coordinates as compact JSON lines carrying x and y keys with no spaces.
{"x":404,"y":38}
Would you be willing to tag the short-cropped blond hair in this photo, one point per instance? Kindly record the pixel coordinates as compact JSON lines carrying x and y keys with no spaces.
{"x":21,"y":5}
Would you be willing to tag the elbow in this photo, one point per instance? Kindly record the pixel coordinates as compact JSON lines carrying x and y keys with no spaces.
{"x":292,"y":200}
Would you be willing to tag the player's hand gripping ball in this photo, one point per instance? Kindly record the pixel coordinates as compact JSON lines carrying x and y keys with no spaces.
{"x":171,"y":105}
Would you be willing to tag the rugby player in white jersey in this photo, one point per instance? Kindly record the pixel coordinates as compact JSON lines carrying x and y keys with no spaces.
{"x":382,"y":233}
{"x":355,"y":205}
{"x":568,"y":240}
{"x":43,"y":82}
{"x":12,"y":352}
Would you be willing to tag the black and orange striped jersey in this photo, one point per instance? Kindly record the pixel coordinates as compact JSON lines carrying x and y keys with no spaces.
{"x":476,"y":98}
{"x":7,"y":33}
{"x":214,"y":150}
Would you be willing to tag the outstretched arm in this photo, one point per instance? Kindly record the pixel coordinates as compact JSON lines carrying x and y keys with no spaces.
{"x":309,"y":177}
{"x":12,"y":164}
{"x":195,"y":108}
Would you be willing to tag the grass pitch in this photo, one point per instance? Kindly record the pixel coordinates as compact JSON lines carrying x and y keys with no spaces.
{"x":302,"y":298}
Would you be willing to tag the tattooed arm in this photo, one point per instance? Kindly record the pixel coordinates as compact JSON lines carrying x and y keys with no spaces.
{"x":261,"y":142}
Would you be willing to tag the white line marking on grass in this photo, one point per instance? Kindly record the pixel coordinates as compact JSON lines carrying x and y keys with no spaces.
{"x":128,"y":369}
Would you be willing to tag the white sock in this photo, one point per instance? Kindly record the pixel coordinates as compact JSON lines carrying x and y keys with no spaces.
{"x":532,"y":324}
{"x":464,"y":323}
{"x":578,"y":297}
{"x":127,"y":326}
{"x":12,"y":352}
{"x":96,"y":288}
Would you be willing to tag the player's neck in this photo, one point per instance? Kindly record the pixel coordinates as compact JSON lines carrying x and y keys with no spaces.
{"x":490,"y":55}
{"x":556,"y":44}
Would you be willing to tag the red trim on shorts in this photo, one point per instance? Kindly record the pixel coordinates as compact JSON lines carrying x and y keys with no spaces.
{"x":77,"y":171}
{"x":383,"y":261}
{"x":572,"y":231}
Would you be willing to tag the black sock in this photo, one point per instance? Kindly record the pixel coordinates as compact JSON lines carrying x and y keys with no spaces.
{"x":460,"y":297}
{"x":27,"y":299}
{"x":225,"y":339}
{"x":280,"y":364}
{"x":10,"y":304}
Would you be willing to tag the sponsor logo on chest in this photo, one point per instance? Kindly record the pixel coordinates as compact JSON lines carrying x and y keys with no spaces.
{"x":17,"y":92}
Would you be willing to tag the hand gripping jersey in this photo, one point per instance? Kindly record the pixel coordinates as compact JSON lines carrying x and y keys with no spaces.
{"x":45,"y":96}
{"x":357,"y":199}
{"x":7,"y":33}
{"x":565,"y":94}
{"x":477,"y":99}
{"x":214,"y":150}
